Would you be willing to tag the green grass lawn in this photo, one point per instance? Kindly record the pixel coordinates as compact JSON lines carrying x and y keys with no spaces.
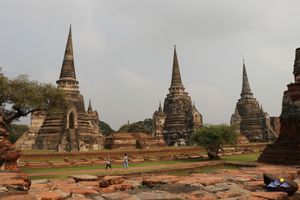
{"x":119,"y":165}
{"x":75,"y":169}
{"x":242,"y":158}
{"x":108,"y":172}
{"x":245,"y":158}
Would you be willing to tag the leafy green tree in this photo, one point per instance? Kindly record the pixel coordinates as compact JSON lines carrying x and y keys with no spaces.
{"x":213,"y":137}
{"x":148,"y":124}
{"x":140,"y":126}
{"x":16,"y":131}
{"x":136,"y":127}
{"x":105,"y":128}
{"x":133,"y":127}
{"x":21,"y":96}
{"x":124,"y":128}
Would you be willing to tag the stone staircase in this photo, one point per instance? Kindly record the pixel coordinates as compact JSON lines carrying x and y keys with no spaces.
{"x":73,"y":139}
{"x":64,"y":144}
{"x":69,"y":141}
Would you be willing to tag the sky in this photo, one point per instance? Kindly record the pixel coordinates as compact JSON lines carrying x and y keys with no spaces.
{"x":124,"y":49}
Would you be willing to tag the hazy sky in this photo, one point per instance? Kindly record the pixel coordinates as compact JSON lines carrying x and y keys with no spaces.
{"x":123,"y":50}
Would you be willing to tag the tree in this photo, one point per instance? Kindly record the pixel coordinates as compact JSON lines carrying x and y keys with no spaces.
{"x":21,"y":96}
{"x":140,"y":126}
{"x":148,"y":125}
{"x":133,"y":127}
{"x":105,"y":128}
{"x":213,"y":137}
{"x":16,"y":131}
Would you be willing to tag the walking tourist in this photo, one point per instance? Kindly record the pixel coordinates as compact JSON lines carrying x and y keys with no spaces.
{"x":125,"y":159}
{"x":108,"y":163}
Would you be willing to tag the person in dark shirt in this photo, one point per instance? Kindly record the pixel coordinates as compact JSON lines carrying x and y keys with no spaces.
{"x":108,"y":163}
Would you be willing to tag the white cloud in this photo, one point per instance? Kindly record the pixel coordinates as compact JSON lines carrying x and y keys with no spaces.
{"x":210,"y":103}
{"x":274,"y":57}
{"x":134,"y":80}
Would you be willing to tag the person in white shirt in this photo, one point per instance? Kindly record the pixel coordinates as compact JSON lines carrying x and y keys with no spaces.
{"x":125,"y":159}
{"x":108,"y":163}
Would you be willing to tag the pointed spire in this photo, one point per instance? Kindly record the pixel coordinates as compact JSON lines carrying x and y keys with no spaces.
{"x":176,"y":77}
{"x":297,"y":66}
{"x":159,"y":107}
{"x":68,"y":69}
{"x":261,"y":109}
{"x":246,"y":90}
{"x":90,"y":109}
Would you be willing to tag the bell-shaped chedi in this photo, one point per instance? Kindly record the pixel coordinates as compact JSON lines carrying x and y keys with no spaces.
{"x":249,"y":117}
{"x":285,"y":150}
{"x":74,"y":129}
{"x":159,"y":118}
{"x":178,"y":118}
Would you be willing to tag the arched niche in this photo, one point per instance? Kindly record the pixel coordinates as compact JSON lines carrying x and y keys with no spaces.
{"x":72,"y":119}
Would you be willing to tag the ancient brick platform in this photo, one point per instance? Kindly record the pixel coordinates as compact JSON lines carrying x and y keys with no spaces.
{"x":244,"y":184}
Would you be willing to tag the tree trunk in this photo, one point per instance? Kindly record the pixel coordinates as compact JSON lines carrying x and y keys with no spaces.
{"x":3,"y":132}
{"x":8,"y":154}
{"x":213,"y":154}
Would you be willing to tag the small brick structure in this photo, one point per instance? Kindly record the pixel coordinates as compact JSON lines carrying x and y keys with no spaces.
{"x":124,"y":140}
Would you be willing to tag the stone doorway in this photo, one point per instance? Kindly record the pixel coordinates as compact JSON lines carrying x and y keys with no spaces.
{"x":71,"y":121}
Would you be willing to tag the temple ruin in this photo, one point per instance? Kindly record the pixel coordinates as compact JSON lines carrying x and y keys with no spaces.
{"x":249,"y":117}
{"x":285,"y":150}
{"x":75,"y":129}
{"x":178,"y":118}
